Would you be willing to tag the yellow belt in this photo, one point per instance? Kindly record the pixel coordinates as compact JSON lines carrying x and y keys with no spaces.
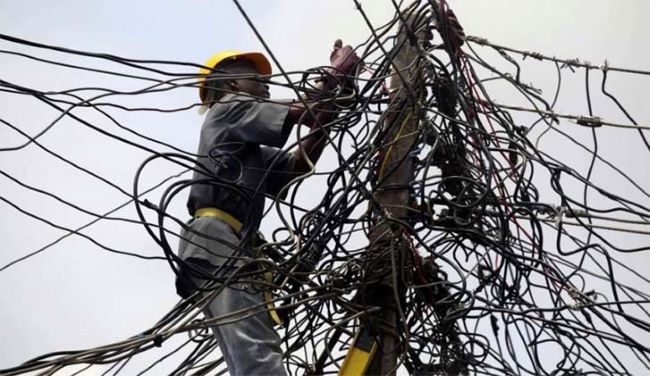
{"x":268,"y":295}
{"x":219,"y":214}
{"x":268,"y":299}
{"x":237,"y":226}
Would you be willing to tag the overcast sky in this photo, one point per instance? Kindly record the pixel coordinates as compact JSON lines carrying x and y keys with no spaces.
{"x":75,"y":295}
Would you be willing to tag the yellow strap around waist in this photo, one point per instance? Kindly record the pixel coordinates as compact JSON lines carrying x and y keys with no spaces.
{"x":268,"y":298}
{"x":219,"y":214}
{"x":237,"y":226}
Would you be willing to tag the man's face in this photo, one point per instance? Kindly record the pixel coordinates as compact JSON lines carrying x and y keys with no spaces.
{"x":256,"y":87}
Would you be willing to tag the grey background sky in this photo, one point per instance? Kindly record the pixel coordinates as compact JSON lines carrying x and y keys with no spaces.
{"x":75,"y":295}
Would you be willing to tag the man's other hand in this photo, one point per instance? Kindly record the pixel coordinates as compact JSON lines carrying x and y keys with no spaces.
{"x":343,"y":61}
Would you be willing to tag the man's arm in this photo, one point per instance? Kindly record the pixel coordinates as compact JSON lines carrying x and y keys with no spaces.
{"x":310,"y":148}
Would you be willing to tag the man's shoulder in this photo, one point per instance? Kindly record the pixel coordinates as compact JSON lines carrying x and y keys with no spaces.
{"x":229,"y":102}
{"x":222,"y":106}
{"x":234,"y":98}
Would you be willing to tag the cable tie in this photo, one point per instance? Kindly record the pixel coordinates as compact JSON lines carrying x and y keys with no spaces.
{"x":559,"y":213}
{"x":577,"y":213}
{"x":570,"y":62}
{"x":522,"y":129}
{"x":149,"y":204}
{"x":590,"y":121}
{"x":605,"y":66}
{"x":478,"y":40}
{"x":158,"y":340}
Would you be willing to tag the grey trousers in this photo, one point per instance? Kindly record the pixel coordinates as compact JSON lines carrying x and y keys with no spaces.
{"x":250,"y":345}
{"x":248,"y":342}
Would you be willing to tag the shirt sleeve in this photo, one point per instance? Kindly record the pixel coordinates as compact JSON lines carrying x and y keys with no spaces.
{"x":253,"y":121}
{"x":282,"y":166}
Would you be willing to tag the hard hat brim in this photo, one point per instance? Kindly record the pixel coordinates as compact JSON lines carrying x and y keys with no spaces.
{"x":260,"y":62}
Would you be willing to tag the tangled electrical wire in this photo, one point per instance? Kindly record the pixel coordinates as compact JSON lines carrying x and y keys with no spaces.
{"x":483,"y":275}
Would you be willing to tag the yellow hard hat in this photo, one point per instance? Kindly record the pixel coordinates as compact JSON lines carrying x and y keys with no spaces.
{"x":260,"y":62}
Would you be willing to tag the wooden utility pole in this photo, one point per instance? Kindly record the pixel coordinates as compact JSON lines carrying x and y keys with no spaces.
{"x":387,"y":247}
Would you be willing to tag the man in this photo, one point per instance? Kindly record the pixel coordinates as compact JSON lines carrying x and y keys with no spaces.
{"x":239,"y":162}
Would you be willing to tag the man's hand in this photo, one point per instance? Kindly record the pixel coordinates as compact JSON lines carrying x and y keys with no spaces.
{"x":343,"y":58}
{"x":343,"y":61}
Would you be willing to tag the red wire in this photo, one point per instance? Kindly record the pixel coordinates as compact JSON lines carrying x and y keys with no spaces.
{"x":468,"y":77}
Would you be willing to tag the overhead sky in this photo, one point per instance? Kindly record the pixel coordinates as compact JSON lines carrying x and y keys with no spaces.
{"x":75,"y":295}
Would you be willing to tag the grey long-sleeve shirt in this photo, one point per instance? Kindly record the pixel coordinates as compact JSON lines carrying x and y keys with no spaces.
{"x":240,"y":145}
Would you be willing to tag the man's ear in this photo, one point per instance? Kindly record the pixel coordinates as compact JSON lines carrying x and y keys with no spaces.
{"x":233,"y":85}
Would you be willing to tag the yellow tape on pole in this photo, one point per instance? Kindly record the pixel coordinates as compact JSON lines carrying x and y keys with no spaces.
{"x":360,"y":354}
